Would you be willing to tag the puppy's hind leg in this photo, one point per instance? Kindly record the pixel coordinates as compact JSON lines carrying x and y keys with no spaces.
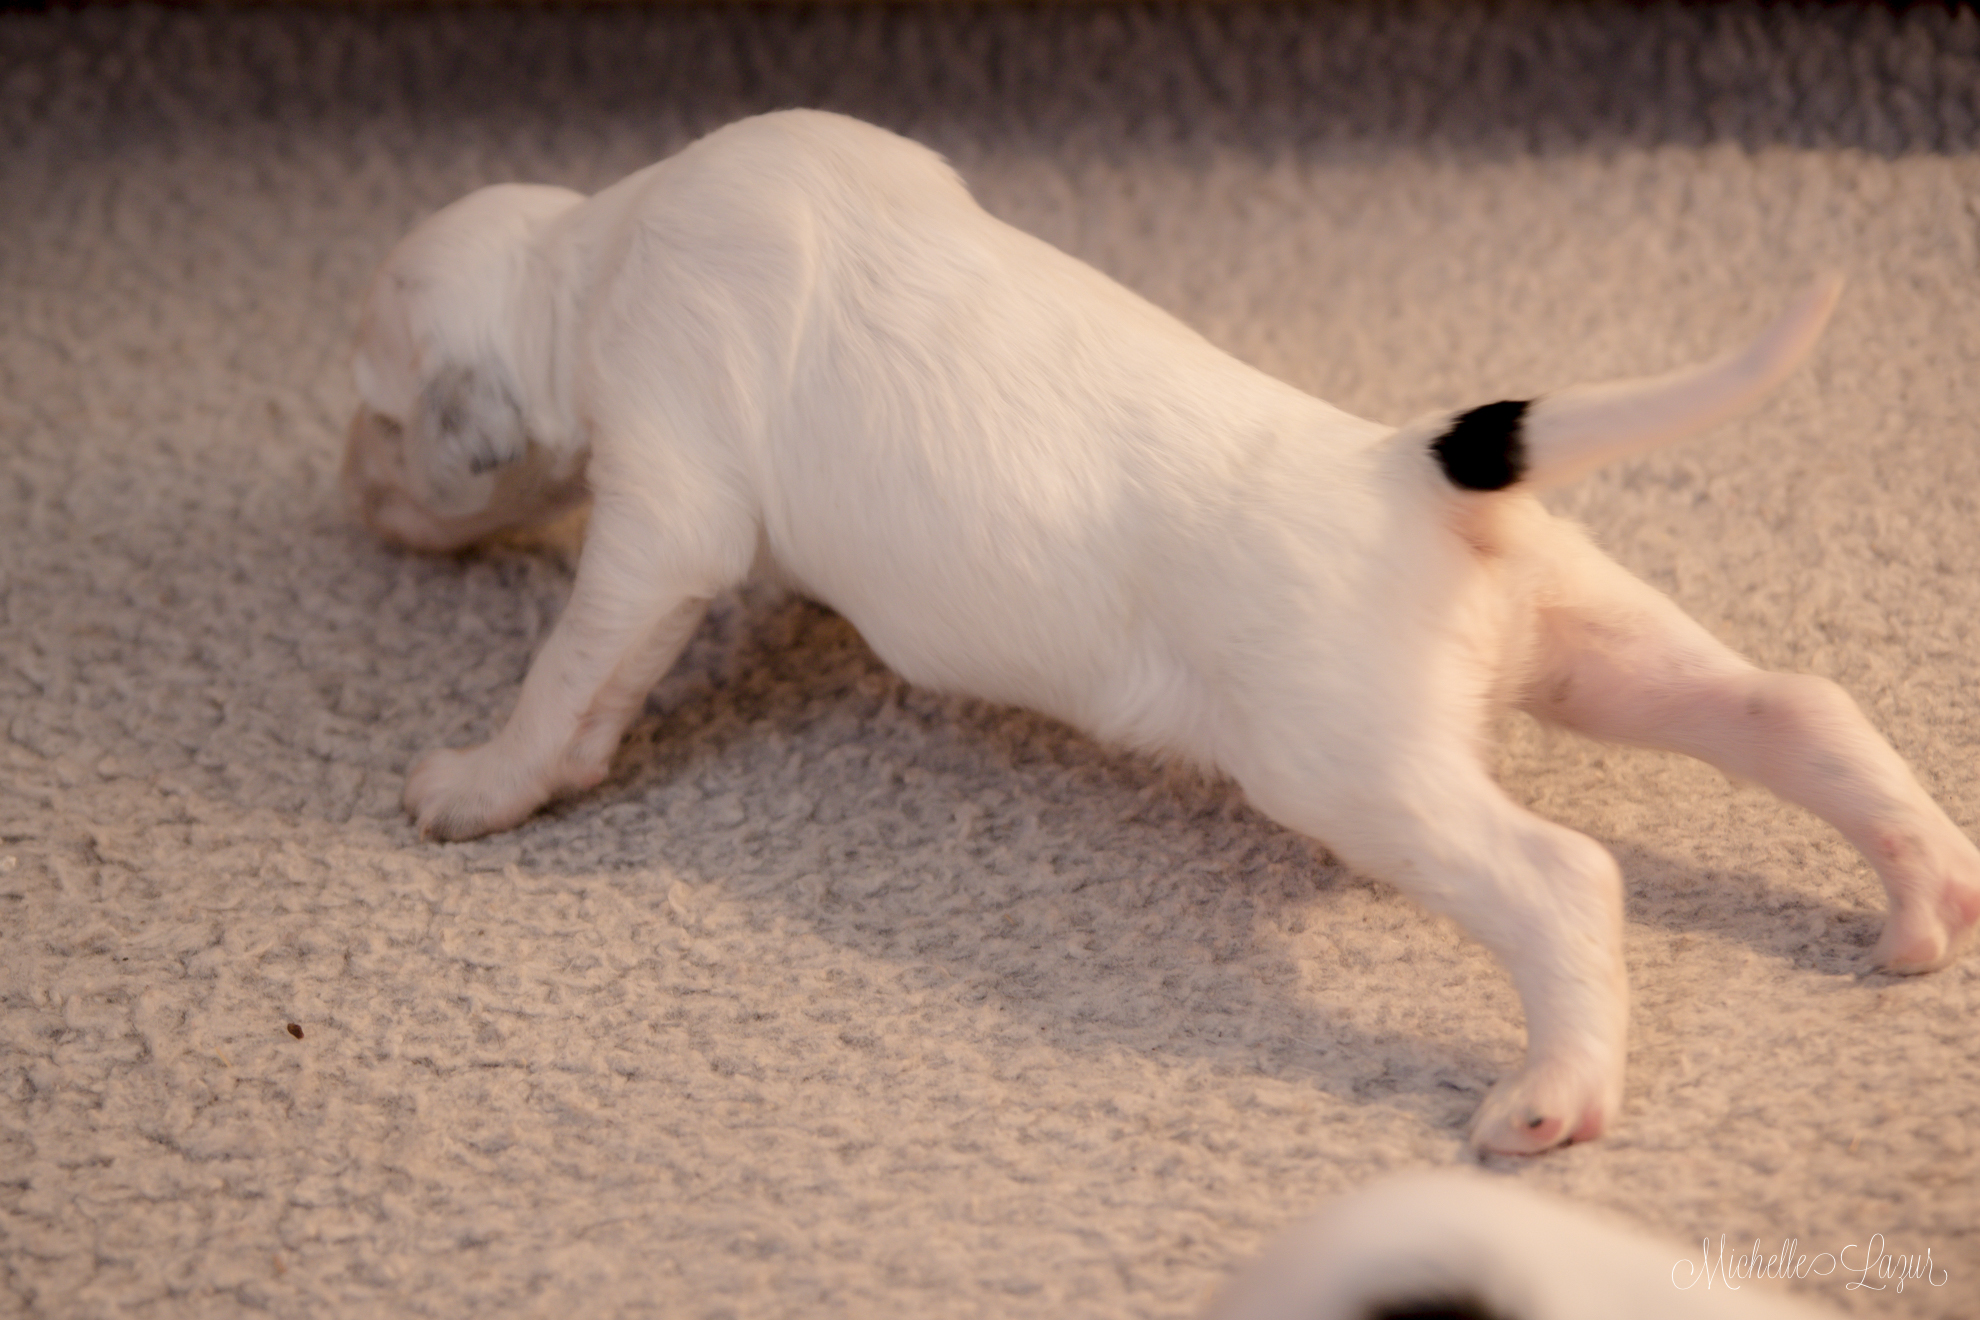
{"x":1620,"y":661}
{"x":622,"y":629}
{"x":1546,"y":900}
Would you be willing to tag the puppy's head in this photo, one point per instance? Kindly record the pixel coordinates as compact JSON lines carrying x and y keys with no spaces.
{"x":442,"y":452}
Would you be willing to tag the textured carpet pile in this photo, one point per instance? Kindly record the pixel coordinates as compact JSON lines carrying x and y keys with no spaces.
{"x":842,"y":998}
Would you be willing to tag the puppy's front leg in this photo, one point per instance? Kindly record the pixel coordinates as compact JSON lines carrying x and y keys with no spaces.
{"x":622,"y":630}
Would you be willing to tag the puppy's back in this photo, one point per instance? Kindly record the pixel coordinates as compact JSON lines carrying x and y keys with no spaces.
{"x":1003,"y":466}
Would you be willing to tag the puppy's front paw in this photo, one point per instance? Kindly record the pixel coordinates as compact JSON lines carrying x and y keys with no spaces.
{"x":464,"y":794}
{"x":1545,"y":1105}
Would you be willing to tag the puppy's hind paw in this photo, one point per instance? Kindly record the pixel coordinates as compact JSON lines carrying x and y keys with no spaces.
{"x":1921,"y":939}
{"x":465,"y":794}
{"x":1934,"y":918}
{"x":1544,"y":1106}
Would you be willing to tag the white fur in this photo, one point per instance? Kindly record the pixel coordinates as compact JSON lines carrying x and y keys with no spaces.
{"x":1485,"y":1246}
{"x":800,"y":346}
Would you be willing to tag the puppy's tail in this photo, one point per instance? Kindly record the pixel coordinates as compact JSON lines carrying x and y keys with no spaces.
{"x":1561,"y":437}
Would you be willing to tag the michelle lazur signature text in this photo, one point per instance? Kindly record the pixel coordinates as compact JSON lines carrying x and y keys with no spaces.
{"x":1869,"y":1265}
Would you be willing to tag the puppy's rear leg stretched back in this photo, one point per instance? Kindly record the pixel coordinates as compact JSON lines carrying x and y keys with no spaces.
{"x":1546,"y":900}
{"x":1621,"y":662}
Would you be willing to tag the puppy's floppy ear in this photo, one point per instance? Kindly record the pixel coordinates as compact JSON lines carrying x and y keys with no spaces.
{"x":466,"y":426}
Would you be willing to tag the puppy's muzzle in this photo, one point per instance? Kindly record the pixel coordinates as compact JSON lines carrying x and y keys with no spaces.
{"x":382,"y":491}
{"x":378,"y":490}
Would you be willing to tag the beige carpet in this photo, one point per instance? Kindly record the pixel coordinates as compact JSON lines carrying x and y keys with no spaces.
{"x":842,"y":998}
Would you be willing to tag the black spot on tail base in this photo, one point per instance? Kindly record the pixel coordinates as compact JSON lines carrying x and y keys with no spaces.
{"x":1484,"y":449}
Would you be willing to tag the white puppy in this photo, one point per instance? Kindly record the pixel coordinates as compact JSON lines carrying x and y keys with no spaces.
{"x":1456,"y":1245}
{"x":799,"y":346}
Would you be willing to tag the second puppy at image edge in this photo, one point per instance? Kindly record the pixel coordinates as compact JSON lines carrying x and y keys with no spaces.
{"x":799,"y":348}
{"x":1453,"y":1244}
